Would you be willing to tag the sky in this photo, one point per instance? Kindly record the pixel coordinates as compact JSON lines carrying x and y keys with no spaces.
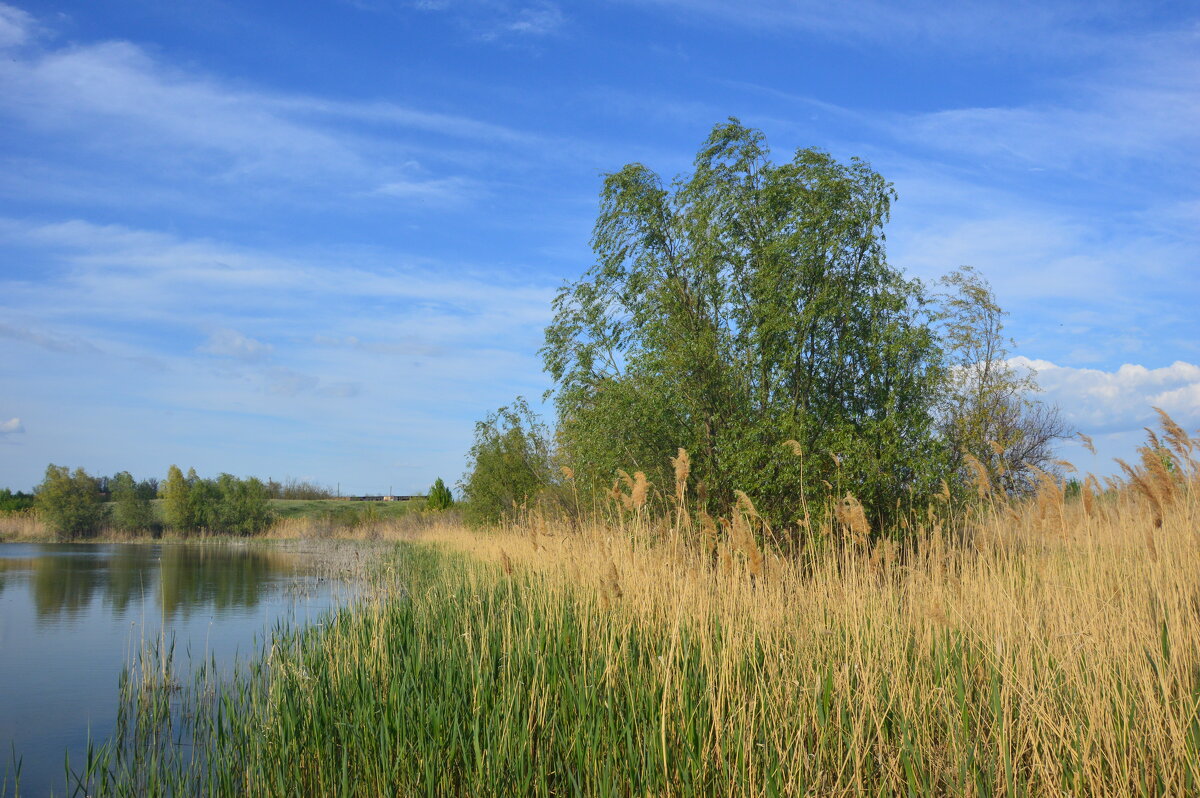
{"x":320,"y":239}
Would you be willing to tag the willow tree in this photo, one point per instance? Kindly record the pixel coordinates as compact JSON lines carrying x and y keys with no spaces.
{"x":737,"y":308}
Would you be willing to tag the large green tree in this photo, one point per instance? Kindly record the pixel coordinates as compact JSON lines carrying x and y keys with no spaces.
{"x":741,"y":306}
{"x":69,"y":503}
{"x":177,"y":505}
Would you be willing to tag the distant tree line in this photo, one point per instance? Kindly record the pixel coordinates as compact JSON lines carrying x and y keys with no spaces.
{"x":298,"y":489}
{"x":747,"y":312}
{"x":17,"y":502}
{"x":75,"y":504}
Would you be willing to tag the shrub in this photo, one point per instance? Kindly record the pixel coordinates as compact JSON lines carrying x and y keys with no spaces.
{"x":440,"y":497}
{"x":14,"y":502}
{"x":70,"y":503}
{"x":509,"y":464}
{"x":131,"y":510}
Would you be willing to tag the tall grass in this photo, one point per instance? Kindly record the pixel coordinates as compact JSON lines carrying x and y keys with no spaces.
{"x":1041,"y":648}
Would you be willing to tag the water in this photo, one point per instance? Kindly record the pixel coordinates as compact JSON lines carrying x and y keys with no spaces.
{"x":72,"y":616}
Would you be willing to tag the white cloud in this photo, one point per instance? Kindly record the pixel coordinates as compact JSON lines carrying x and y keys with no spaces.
{"x":15,"y":26}
{"x":1097,"y":401}
{"x":231,"y":343}
{"x":11,"y":427}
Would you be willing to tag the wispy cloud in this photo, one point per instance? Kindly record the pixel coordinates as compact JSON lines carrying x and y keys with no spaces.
{"x":115,"y":100}
{"x":11,"y":427}
{"x":1133,"y":113}
{"x":487,"y":20}
{"x":15,"y":26}
{"x":47,"y":340}
{"x":990,"y":26}
{"x":231,"y":343}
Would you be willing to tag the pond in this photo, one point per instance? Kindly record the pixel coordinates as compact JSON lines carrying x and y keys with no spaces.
{"x":73,"y":616}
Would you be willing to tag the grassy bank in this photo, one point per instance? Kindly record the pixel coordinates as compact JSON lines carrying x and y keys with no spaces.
{"x":1053,"y":648}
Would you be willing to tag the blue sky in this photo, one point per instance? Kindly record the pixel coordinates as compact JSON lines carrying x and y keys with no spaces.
{"x":320,"y":239}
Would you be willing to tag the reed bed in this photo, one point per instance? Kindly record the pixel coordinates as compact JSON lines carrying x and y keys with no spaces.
{"x":1049,"y":647}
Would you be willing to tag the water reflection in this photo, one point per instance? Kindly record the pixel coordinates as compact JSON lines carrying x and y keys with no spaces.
{"x":66,"y":582}
{"x":72,"y":615}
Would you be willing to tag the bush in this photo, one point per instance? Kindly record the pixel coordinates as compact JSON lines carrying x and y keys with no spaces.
{"x":70,"y":504}
{"x":243,"y":506}
{"x":226,"y":505}
{"x":11,"y":503}
{"x":509,"y":464}
{"x":440,"y":497}
{"x":131,"y":510}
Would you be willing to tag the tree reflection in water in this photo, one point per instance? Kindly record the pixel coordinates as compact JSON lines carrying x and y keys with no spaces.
{"x":65,"y":580}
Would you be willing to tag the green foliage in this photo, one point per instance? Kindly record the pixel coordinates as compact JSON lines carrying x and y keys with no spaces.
{"x":298,"y":489}
{"x":243,"y":506}
{"x":177,"y":507}
{"x":131,"y":509}
{"x":739,"y":307}
{"x":440,"y":497}
{"x":509,"y":464}
{"x":226,"y":505}
{"x":15,"y":502}
{"x":70,"y":504}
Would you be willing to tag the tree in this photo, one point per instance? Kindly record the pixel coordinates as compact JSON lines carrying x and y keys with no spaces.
{"x":988,"y":411}
{"x":740,"y":307}
{"x":131,"y":511}
{"x":440,"y":497}
{"x":223,"y":505}
{"x":70,"y":504}
{"x":177,"y":504}
{"x":243,"y":506}
{"x":509,"y":464}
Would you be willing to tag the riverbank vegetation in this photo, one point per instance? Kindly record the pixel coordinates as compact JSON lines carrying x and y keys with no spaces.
{"x":1044,"y":645}
{"x":290,"y":519}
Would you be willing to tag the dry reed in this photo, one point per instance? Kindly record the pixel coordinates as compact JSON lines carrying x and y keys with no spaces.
{"x":1021,"y":663}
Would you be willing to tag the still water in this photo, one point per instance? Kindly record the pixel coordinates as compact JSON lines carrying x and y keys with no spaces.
{"x":72,"y":616}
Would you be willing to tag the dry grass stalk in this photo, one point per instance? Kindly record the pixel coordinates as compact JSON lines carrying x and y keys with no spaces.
{"x":568,"y":472}
{"x":852,"y":518}
{"x":683,"y":468}
{"x":998,"y":451}
{"x":506,"y":562}
{"x":1088,"y":443}
{"x":983,"y":483}
{"x":612,"y":581}
{"x":640,"y":492}
{"x":1050,"y":499}
{"x":708,"y":535}
{"x":744,"y":517}
{"x":1086,"y":492}
{"x":1142,"y":484}
{"x":637,"y":486}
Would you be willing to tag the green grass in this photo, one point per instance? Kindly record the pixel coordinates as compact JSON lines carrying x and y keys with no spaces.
{"x":340,"y":510}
